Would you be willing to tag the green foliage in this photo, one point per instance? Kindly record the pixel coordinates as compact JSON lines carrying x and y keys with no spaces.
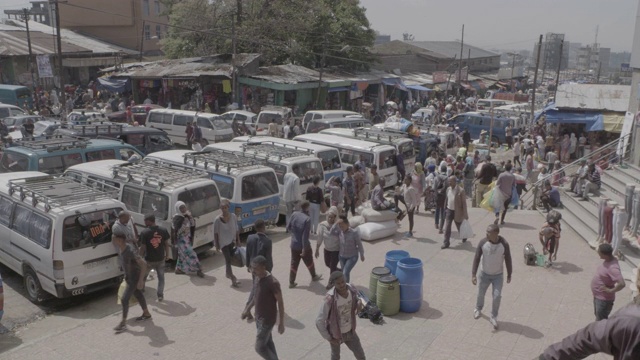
{"x":283,"y":31}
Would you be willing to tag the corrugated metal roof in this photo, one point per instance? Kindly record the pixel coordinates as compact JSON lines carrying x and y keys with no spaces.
{"x":593,"y":97}
{"x":417,"y":79}
{"x":398,"y":47}
{"x":193,"y":67}
{"x":69,"y":39}
{"x":14,"y":43}
{"x":288,"y":74}
{"x":452,"y":48}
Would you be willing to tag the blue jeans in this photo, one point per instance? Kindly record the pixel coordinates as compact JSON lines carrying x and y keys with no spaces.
{"x":264,"y":341}
{"x":158,"y":266}
{"x":439,"y":217}
{"x":314,"y":213}
{"x":496,"y":281}
{"x":602,"y":308}
{"x":347,"y":264}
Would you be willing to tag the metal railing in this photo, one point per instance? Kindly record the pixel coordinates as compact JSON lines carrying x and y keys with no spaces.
{"x":530,"y":199}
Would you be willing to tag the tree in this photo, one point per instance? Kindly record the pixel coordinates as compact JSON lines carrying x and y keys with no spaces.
{"x":407,"y":37}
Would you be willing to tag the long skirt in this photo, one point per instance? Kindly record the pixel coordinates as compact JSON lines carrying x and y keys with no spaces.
{"x":187,"y":257}
{"x":429,"y":199}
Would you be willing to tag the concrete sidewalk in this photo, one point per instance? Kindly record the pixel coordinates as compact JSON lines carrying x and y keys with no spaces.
{"x":200,"y":318}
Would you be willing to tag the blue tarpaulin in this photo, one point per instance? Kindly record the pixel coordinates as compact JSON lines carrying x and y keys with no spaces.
{"x":593,"y":121}
{"x":114,"y":85}
{"x":397,"y":82}
{"x":418,"y":87}
{"x":336,"y":89}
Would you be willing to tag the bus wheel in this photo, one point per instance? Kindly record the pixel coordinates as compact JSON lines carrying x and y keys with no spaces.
{"x":32,"y":285}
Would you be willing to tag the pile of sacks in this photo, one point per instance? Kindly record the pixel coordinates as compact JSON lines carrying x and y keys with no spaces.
{"x":373,"y":224}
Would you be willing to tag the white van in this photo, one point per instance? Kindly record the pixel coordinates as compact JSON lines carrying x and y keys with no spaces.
{"x":174,"y":123}
{"x":56,"y":233}
{"x":281,"y":160}
{"x":330,"y":157}
{"x":279,"y":114}
{"x":403,"y":144}
{"x":154,"y":189}
{"x":252,"y":189}
{"x":327,"y":114}
{"x":384,"y":156}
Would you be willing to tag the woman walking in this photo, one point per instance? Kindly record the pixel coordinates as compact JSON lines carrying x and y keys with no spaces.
{"x":331,"y":242}
{"x":350,"y":245}
{"x":334,"y":185}
{"x":429,"y":194}
{"x":315,"y":196}
{"x":184,"y":227}
{"x":225,"y":234}
{"x":418,"y":181}
{"x":564,"y":150}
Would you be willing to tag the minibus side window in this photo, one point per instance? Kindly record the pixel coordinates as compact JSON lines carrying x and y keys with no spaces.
{"x":101,"y":155}
{"x":88,"y":229}
{"x":330,"y":159}
{"x":131,"y":198}
{"x":51,"y":165}
{"x":40,"y":229}
{"x":5,"y":211}
{"x":387,"y":159}
{"x":259,"y":185}
{"x":202,"y":200}
{"x":155,"y":203}
{"x":308,"y":170}
{"x":182,"y":120}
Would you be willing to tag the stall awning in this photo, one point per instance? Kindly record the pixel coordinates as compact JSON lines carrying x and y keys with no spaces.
{"x":114,"y":85}
{"x":467,"y":86}
{"x":418,"y":87}
{"x":396,"y":82}
{"x":613,"y":122}
{"x":477,"y":84}
{"x":340,"y":88}
{"x":592,"y":121}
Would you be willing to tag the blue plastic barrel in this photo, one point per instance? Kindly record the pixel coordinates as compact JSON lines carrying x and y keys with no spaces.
{"x":409,"y":273}
{"x":392,"y":257}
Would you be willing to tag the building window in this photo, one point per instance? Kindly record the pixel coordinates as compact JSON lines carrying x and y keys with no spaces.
{"x":145,"y":7}
{"x":156,"y":4}
{"x":147,"y":32}
{"x":158,"y":32}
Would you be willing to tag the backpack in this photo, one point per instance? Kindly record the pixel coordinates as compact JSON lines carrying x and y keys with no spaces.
{"x":441,"y":184}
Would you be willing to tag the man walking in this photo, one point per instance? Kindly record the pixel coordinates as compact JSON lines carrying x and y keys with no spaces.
{"x":124,"y":226}
{"x":134,"y":274}
{"x":291,"y":191}
{"x":299,"y":227}
{"x":258,"y":244}
{"x":336,"y":321}
{"x":331,"y":242}
{"x":349,"y":186}
{"x":484,"y":178}
{"x":456,"y":209}
{"x":505,"y":183}
{"x":466,"y":138}
{"x":606,"y":282}
{"x":154,"y":246}
{"x":189,"y":134}
{"x":493,"y":251}
{"x":269,"y":307}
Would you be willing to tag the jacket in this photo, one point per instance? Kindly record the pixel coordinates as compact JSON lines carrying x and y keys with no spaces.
{"x":460,"y":205}
{"x":328,"y":320}
{"x":259,"y":244}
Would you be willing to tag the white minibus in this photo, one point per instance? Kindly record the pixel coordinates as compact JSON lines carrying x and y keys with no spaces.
{"x":384,"y":156}
{"x":56,"y":233}
{"x":252,"y":189}
{"x":146,"y":188}
{"x":281,"y":160}
{"x":174,"y":122}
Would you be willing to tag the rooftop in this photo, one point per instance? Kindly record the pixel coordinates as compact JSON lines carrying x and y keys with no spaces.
{"x":593,"y":97}
{"x":433,"y":49}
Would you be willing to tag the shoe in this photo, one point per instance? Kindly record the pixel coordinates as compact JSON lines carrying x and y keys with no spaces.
{"x":408,"y":234}
{"x":494,"y":322}
{"x":476,"y":314}
{"x":316,"y":278}
{"x":200,"y":273}
{"x":292,"y":285}
{"x":160,"y":298}
{"x":444,"y":247}
{"x":179,"y":272}
{"x":440,"y":232}
{"x":143,"y":318}
{"x":464,"y":240}
{"x":120,"y":328}
{"x":583,"y":199}
{"x":495,"y":222}
{"x":502,"y":222}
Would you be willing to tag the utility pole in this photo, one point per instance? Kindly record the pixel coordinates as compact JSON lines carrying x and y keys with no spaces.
{"x":446,"y":91}
{"x":535,"y":80}
{"x":142,"y":41}
{"x":25,"y":16}
{"x":513,"y":65}
{"x":599,"y":68}
{"x":460,"y":64}
{"x":63,"y":94}
{"x":555,"y":95}
{"x":233,"y":60}
{"x":322,"y":61}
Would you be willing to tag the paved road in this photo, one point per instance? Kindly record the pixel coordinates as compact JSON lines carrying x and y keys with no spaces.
{"x":200,"y":317}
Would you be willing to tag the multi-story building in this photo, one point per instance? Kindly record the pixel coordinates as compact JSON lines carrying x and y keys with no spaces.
{"x":550,"y":52}
{"x":40,"y":11}
{"x":594,"y":58}
{"x":133,"y":24}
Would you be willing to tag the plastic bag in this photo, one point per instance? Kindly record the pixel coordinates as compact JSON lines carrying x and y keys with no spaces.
{"x":238,"y":256}
{"x":515,"y":199}
{"x":132,"y":299}
{"x":487,"y":200}
{"x":466,"y":232}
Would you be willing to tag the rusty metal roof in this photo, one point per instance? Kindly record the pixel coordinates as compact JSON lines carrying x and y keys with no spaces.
{"x":214,"y":65}
{"x":593,"y":97}
{"x":288,"y":74}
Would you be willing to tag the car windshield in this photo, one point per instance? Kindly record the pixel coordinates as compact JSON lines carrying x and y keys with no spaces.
{"x":220,"y":123}
{"x":88,"y":229}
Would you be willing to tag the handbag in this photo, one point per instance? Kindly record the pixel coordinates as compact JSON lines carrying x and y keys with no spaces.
{"x":466,"y":232}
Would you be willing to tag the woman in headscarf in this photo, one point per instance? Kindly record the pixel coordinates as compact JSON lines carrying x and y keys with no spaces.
{"x":573,"y":146}
{"x":565,"y":147}
{"x":225,"y":234}
{"x":418,"y":181}
{"x":429,"y":194}
{"x":184,"y":227}
{"x":331,"y":242}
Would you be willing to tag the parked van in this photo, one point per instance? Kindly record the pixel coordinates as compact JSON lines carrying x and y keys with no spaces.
{"x":402,"y":144}
{"x":54,"y":154}
{"x":56,"y":234}
{"x":349,"y":122}
{"x":327,"y":114}
{"x":147,"y":188}
{"x":16,"y":95}
{"x":174,"y":123}
{"x":281,"y":160}
{"x":329,"y":156}
{"x":252,"y":189}
{"x":486,"y":104}
{"x":384,"y":156}
{"x":476,"y":122}
{"x":280,"y":114}
{"x":145,"y":139}
{"x":423,"y":143}
{"x":7,"y":110}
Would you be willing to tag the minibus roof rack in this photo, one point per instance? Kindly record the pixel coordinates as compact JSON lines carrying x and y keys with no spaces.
{"x":217,"y":158}
{"x":279,"y":144}
{"x":159,"y":174}
{"x":97,"y":128}
{"x":271,"y":151}
{"x":54,"y":143}
{"x":54,"y":191}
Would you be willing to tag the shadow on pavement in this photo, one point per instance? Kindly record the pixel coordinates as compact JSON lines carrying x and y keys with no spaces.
{"x":566,"y":268}
{"x":315,"y":287}
{"x":172,"y":308}
{"x":8,"y":340}
{"x":157,"y":336}
{"x":292,"y":323}
{"x":425,"y":312}
{"x":524,"y":330}
{"x":509,"y":225}
{"x":207,"y":280}
{"x":459,"y":245}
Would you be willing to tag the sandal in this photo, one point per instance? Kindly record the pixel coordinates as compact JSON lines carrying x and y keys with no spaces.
{"x":235,"y":284}
{"x":143,"y":318}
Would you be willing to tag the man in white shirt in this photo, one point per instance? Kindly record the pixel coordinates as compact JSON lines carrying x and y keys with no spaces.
{"x":286,"y":129}
{"x":291,"y":191}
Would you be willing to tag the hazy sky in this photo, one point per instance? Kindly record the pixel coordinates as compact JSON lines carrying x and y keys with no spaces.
{"x":506,"y":24}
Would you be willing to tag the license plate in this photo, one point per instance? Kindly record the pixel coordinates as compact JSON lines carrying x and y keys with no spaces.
{"x":78,"y":291}
{"x":259,"y":211}
{"x":95,"y":264}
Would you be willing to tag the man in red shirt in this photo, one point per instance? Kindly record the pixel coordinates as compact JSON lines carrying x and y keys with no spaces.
{"x":606,"y":282}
